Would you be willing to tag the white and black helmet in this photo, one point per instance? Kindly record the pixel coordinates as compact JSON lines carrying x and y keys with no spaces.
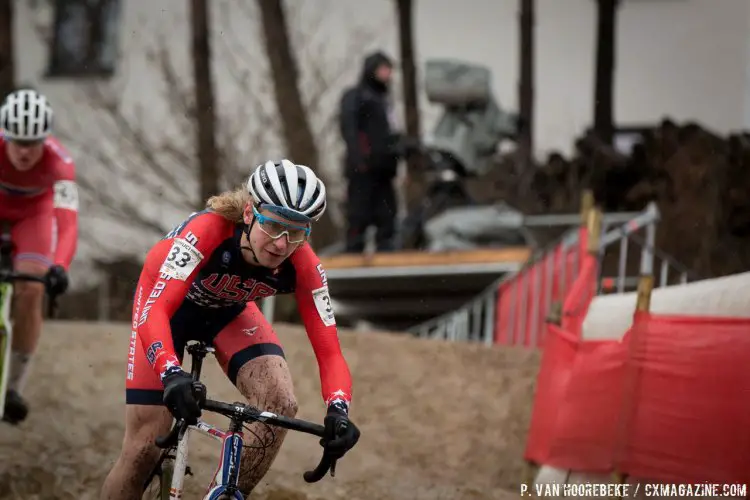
{"x":26,"y":115}
{"x":293,"y":189}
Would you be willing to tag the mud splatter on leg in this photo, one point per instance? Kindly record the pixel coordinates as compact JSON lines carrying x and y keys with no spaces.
{"x":267,"y":384}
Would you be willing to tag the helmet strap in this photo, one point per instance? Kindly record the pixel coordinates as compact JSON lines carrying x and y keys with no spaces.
{"x":246,"y":231}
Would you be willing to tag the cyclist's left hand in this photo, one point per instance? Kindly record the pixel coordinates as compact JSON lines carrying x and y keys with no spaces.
{"x":340,"y":433}
{"x":57,"y":280}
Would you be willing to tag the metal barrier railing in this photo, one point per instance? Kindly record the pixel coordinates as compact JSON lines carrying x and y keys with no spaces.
{"x":522,"y":320}
{"x":475,"y":320}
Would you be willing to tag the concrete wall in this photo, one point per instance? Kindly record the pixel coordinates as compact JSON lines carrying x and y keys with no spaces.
{"x":610,"y":316}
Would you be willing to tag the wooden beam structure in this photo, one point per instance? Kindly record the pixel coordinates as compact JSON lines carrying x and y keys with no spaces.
{"x":409,"y":259}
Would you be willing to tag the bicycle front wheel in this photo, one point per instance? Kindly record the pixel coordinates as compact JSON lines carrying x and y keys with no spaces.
{"x":157,"y":487}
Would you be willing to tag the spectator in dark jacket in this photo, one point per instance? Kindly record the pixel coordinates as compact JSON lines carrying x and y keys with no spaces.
{"x":371,"y":157}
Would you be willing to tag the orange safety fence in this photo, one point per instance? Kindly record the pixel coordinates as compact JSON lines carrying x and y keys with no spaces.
{"x":670,"y":401}
{"x":524,"y":300}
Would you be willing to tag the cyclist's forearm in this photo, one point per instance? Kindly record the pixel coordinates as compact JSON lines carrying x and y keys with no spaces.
{"x":67,"y":236}
{"x":335,"y":380}
{"x":335,"y":377}
{"x":156,"y":339}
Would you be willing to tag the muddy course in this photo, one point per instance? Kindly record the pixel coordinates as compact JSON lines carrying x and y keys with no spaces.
{"x":438,"y":420}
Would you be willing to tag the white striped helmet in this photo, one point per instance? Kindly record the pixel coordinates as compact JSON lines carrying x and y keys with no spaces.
{"x":26,"y":115}
{"x":290,"y":190}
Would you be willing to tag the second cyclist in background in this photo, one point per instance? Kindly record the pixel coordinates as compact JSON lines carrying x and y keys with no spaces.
{"x":39,"y":198}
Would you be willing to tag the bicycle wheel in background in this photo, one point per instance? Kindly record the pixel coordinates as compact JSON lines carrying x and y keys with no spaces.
{"x":4,"y":358}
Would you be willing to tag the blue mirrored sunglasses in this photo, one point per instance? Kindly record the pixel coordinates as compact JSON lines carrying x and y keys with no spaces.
{"x":276,"y":229}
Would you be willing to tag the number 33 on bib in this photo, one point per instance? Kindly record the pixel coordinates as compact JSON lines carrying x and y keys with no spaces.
{"x":323,"y":304}
{"x":181,"y":260}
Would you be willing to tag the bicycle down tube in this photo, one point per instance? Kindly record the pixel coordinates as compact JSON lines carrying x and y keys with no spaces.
{"x":227,"y":473}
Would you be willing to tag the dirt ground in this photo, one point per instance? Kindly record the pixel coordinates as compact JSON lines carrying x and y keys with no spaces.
{"x":439,"y":421}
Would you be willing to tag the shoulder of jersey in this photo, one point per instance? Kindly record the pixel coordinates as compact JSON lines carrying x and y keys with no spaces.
{"x":53,"y":145}
{"x":303,"y":253}
{"x":305,"y":258}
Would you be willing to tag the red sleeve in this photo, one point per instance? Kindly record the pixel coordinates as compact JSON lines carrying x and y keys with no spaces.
{"x":66,"y":210}
{"x":173,"y":263}
{"x":315,"y":308}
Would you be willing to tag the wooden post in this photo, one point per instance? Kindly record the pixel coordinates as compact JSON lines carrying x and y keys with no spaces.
{"x":529,"y":470}
{"x":554,"y":315}
{"x":594,"y":226}
{"x":645,"y":287}
{"x":642,"y":304}
{"x":618,"y":478}
{"x":587,"y":204}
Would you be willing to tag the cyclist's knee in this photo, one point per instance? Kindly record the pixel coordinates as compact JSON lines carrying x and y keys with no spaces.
{"x":28,"y":266}
{"x":28,"y":293}
{"x":267,"y":384}
{"x":276,"y":398}
{"x":285,"y":403}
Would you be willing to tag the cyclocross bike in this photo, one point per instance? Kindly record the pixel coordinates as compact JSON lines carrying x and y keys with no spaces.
{"x":7,"y":278}
{"x":166,"y":480}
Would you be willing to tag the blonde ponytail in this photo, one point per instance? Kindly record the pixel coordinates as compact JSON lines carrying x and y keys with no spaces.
{"x":230,"y":204}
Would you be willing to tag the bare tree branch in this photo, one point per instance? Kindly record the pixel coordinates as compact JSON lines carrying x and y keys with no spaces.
{"x":158,"y":159}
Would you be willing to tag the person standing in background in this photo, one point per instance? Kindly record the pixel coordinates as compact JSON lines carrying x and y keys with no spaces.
{"x":371,"y":159}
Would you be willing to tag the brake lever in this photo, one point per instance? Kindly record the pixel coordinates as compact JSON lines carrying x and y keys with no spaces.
{"x":170,"y":440}
{"x":326,"y":463}
{"x":51,"y":306}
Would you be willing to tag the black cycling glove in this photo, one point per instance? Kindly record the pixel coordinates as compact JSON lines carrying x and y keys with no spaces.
{"x":340,"y":433}
{"x":183,"y":395}
{"x":57,"y":280}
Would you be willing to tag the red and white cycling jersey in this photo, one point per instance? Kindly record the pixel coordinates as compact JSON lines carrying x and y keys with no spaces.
{"x":42,"y":204}
{"x":196,"y":278}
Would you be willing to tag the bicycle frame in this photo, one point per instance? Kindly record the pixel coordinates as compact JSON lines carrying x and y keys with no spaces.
{"x":6,"y":340}
{"x":227,"y":472}
{"x":226,"y":478}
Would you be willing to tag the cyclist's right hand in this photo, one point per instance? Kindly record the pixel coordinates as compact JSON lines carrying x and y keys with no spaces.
{"x":340,"y":433}
{"x":182,"y":395}
{"x":56,"y":280}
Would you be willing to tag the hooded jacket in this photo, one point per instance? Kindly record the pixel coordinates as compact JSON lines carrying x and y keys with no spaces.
{"x":371,"y":143}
